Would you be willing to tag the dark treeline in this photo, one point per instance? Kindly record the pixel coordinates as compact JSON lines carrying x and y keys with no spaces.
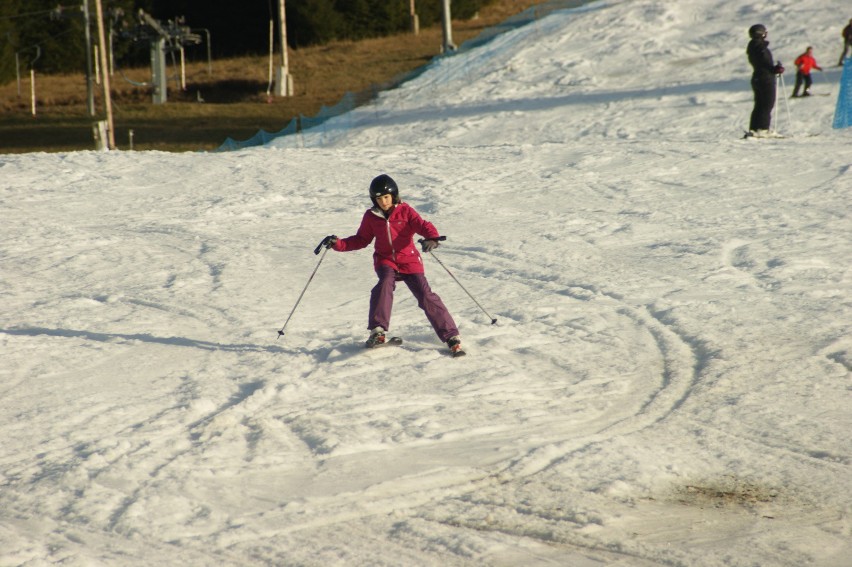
{"x":49,"y":35}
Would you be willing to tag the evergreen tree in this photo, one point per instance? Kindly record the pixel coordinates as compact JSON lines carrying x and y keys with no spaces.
{"x":313,"y":22}
{"x":9,"y":42}
{"x":49,"y":36}
{"x":54,"y":29}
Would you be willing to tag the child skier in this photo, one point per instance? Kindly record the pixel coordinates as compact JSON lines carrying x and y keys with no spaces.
{"x":804,"y":63}
{"x":393,"y":224}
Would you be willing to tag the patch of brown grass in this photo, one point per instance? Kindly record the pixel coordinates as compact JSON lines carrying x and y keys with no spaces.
{"x":234,"y":93}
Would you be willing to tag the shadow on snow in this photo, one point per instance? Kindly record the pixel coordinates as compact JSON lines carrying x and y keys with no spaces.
{"x":143,"y":337}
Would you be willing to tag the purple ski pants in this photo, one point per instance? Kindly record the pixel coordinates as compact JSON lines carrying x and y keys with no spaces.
{"x":381,"y":302}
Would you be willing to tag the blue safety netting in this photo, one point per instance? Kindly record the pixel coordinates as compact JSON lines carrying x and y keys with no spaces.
{"x":843,"y":110}
{"x":258,"y":139}
{"x":318,"y":124}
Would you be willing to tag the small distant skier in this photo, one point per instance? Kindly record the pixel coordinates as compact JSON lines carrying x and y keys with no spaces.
{"x":804,"y":63}
{"x":762,"y":81}
{"x":847,"y":41}
{"x":393,"y":224}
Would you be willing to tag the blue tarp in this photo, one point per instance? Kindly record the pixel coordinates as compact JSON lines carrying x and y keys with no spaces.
{"x":843,"y":111}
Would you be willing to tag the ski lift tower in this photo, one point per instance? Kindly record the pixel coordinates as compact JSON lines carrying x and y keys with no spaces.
{"x":163,"y":38}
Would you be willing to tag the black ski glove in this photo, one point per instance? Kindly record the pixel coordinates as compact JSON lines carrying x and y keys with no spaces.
{"x":779,"y":69}
{"x":327,"y":242}
{"x":429,"y":245}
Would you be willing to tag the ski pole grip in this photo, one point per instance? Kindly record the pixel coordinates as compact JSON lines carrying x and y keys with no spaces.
{"x":439,"y":239}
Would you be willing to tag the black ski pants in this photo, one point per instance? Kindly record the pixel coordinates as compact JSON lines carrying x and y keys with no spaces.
{"x":802,"y":78}
{"x":764,"y":102}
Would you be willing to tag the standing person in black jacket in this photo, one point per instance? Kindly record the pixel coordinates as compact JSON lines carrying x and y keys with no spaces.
{"x":762,"y":80}
{"x":847,"y":42}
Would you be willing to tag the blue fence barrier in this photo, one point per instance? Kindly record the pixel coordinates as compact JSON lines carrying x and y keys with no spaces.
{"x":843,"y":110}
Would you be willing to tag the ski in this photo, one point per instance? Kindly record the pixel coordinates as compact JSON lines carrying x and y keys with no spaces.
{"x":749,"y":135}
{"x":397,"y":341}
{"x":392,"y":341}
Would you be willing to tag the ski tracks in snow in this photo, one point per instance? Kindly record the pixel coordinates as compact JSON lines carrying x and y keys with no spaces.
{"x":658,"y":366}
{"x":442,"y":431}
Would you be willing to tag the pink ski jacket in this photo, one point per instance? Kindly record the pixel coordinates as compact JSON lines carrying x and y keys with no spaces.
{"x":394,"y":238}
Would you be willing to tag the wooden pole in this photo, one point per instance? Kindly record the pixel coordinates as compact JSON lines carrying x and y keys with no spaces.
{"x":271,"y":59}
{"x":105,"y":75}
{"x":282,"y":22}
{"x":284,"y":82}
{"x":90,"y":89}
{"x":415,"y":21}
{"x":447,"y":21}
{"x":32,"y":92}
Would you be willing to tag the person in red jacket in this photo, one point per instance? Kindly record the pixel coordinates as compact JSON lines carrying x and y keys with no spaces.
{"x":392,"y":224}
{"x":804,"y":63}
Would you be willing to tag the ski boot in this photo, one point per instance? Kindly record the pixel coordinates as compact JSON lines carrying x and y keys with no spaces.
{"x":377,"y":337}
{"x":455,"y":346}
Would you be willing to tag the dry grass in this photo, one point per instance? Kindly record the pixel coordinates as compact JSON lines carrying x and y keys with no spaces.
{"x":234,"y":93}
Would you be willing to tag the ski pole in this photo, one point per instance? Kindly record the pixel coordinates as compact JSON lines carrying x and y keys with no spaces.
{"x":786,"y":102}
{"x":493,"y":320}
{"x":281,"y":332}
{"x":775,"y":102}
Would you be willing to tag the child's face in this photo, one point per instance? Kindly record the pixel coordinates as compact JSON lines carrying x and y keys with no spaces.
{"x":385,"y":202}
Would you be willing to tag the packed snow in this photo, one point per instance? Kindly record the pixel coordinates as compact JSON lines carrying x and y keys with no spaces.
{"x":668,"y":381}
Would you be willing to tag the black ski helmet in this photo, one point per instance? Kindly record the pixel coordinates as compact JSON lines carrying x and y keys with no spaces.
{"x":384,"y":185}
{"x":757,"y":31}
